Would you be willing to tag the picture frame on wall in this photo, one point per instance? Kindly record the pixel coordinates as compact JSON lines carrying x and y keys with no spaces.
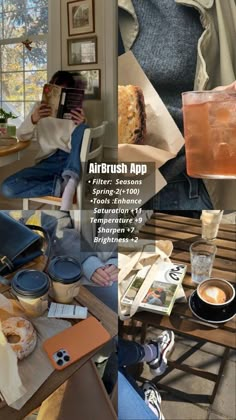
{"x":80,"y":17}
{"x":90,"y":80}
{"x":82,"y":51}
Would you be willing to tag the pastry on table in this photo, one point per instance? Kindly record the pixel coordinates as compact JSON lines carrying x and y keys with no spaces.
{"x":131,"y":115}
{"x":21,"y":336}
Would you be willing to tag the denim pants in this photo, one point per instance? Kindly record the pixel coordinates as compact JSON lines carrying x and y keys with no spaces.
{"x":181,"y":193}
{"x":130,"y":405}
{"x":130,"y":353}
{"x":108,"y":295}
{"x":46,"y":177}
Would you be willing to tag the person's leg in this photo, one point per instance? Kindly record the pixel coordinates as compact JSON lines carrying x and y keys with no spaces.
{"x":73,"y":164}
{"x":71,"y":171}
{"x":131,"y":406}
{"x":108,"y":295}
{"x":39,"y":180}
{"x":129,"y":352}
{"x":154,"y":353}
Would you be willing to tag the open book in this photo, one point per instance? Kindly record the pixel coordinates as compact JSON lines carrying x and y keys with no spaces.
{"x":62,"y":100}
{"x":163,"y":291}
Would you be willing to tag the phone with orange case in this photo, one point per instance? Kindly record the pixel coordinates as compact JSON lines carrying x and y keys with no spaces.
{"x":75,"y":342}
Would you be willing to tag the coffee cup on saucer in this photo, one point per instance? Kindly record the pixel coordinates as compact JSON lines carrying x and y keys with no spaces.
{"x":215,"y":294}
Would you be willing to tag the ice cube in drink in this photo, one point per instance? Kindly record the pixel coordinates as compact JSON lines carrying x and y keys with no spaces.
{"x":210,"y":134}
{"x":201,"y":267}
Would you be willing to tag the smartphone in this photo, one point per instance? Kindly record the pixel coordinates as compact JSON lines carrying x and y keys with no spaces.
{"x":75,"y":342}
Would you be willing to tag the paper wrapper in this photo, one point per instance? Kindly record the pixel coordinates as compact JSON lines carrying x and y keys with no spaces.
{"x":20,"y":380}
{"x":163,"y":140}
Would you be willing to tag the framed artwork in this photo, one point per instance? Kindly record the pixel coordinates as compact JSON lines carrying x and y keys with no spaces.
{"x":82,"y":51}
{"x":80,"y":17}
{"x":90,"y":80}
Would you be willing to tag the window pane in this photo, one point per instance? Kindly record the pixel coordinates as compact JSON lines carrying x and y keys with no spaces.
{"x":22,"y":72}
{"x":12,"y":86}
{"x":36,"y":3}
{"x":0,"y":26}
{"x":37,"y":21}
{"x":13,"y":24}
{"x":36,"y":59}
{"x":28,"y":107}
{"x":17,"y":109}
{"x":34,"y":82}
{"x":12,"y":5}
{"x":12,"y":57}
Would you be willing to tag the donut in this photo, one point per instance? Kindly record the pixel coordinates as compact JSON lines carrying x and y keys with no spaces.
{"x":131,"y":115}
{"x":21,"y":336}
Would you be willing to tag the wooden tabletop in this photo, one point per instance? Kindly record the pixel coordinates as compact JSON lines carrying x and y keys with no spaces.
{"x":105,"y":315}
{"x":10,"y":146}
{"x":182,"y":232}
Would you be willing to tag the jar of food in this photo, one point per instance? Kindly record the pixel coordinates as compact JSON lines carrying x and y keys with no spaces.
{"x":65,"y":273}
{"x":31,"y":288}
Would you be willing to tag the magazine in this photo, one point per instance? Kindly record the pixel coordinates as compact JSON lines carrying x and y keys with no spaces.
{"x":62,"y":100}
{"x":161,"y":296}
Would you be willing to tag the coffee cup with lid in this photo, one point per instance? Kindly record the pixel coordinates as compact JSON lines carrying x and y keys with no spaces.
{"x":31,"y":288}
{"x":65,"y":273}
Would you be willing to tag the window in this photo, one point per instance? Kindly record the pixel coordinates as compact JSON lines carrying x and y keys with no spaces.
{"x":23,"y":71}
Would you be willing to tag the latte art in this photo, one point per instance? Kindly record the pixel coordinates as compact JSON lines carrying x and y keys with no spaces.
{"x":213,"y":294}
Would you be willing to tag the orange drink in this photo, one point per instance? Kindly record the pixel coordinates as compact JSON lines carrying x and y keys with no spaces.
{"x":210,"y":133}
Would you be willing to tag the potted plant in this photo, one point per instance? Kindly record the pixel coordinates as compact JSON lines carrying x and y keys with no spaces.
{"x":4,"y":128}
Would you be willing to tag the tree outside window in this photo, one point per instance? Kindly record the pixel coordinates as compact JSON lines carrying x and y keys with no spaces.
{"x":23,"y":52}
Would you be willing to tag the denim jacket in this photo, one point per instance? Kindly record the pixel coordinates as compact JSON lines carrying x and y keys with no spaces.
{"x":216,"y":65}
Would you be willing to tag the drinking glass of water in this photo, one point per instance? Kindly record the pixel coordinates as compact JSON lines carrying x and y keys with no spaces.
{"x":202,"y":255}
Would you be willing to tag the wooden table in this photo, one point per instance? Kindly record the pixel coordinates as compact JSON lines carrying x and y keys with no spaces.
{"x":11,"y":150}
{"x":105,"y":315}
{"x":183,"y":231}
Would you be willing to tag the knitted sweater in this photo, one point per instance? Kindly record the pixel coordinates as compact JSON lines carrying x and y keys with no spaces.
{"x":51,"y":133}
{"x":166,"y":49}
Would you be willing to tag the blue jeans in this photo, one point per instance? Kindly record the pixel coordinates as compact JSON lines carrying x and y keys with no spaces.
{"x":130,"y":405}
{"x":130,"y":353}
{"x":108,"y":295}
{"x":46,"y":177}
{"x":181,"y":193}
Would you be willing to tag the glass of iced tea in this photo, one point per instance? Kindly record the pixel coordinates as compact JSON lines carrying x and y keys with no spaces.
{"x":210,"y":133}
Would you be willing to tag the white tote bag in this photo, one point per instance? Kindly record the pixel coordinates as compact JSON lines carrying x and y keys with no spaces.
{"x":130,"y":261}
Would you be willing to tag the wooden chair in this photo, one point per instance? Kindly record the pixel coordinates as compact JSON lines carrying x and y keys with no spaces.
{"x":89,"y":151}
{"x":83,"y":396}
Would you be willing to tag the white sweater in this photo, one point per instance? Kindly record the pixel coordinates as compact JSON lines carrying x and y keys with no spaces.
{"x":51,"y":134}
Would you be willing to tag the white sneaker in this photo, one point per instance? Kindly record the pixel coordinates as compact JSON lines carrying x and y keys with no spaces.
{"x":153,"y":399}
{"x":164,"y":344}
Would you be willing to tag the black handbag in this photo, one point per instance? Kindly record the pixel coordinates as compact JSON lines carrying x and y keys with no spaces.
{"x":19,"y":244}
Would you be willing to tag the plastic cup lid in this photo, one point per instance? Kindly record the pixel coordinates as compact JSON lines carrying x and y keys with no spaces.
{"x":32,"y":283}
{"x":64,"y":270}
